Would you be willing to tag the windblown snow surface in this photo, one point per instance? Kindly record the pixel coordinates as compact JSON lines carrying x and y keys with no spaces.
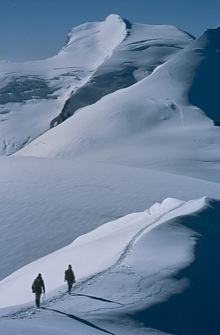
{"x":110,"y":162}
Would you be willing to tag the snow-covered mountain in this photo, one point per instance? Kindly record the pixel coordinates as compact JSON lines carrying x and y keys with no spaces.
{"x":110,"y":161}
{"x":98,"y":58}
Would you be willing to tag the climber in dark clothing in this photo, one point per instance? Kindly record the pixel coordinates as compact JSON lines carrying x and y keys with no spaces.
{"x":38,"y":287}
{"x":70,"y":278}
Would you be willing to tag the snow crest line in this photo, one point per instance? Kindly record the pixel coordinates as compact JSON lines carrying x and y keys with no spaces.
{"x":116,"y":267}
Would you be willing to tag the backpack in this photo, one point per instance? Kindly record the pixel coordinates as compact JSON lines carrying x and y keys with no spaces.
{"x":69,"y":275}
{"x":38,"y":283}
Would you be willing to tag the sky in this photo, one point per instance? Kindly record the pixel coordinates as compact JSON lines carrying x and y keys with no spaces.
{"x":31,"y":30}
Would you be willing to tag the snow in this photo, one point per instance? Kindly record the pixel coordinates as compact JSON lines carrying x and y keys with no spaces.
{"x":93,"y":63}
{"x":126,"y":188}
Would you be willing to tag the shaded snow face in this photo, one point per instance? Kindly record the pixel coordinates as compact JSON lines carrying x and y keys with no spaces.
{"x":20,"y":90}
{"x":207,"y":76}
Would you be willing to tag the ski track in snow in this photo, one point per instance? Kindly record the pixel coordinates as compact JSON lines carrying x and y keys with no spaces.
{"x":116,"y":267}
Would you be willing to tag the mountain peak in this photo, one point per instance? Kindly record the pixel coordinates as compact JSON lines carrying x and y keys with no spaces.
{"x":108,"y":33}
{"x":210,"y":38}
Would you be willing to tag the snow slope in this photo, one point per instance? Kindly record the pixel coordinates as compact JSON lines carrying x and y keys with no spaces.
{"x":154,"y":115}
{"x":98,"y":58}
{"x":47,"y":203}
{"x":124,"y":186}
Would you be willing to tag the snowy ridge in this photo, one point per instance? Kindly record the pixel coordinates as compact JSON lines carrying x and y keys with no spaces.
{"x":124,"y":233}
{"x":200,"y":61}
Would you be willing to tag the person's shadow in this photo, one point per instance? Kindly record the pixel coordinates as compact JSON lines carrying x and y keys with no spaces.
{"x":96,"y":298}
{"x":90,"y":324}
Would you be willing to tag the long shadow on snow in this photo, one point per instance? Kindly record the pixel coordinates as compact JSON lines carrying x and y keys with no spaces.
{"x":96,"y":298}
{"x":90,"y":324}
{"x":196,"y":310}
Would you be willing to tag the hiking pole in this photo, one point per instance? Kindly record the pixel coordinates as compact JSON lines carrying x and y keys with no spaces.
{"x":43,"y":297}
